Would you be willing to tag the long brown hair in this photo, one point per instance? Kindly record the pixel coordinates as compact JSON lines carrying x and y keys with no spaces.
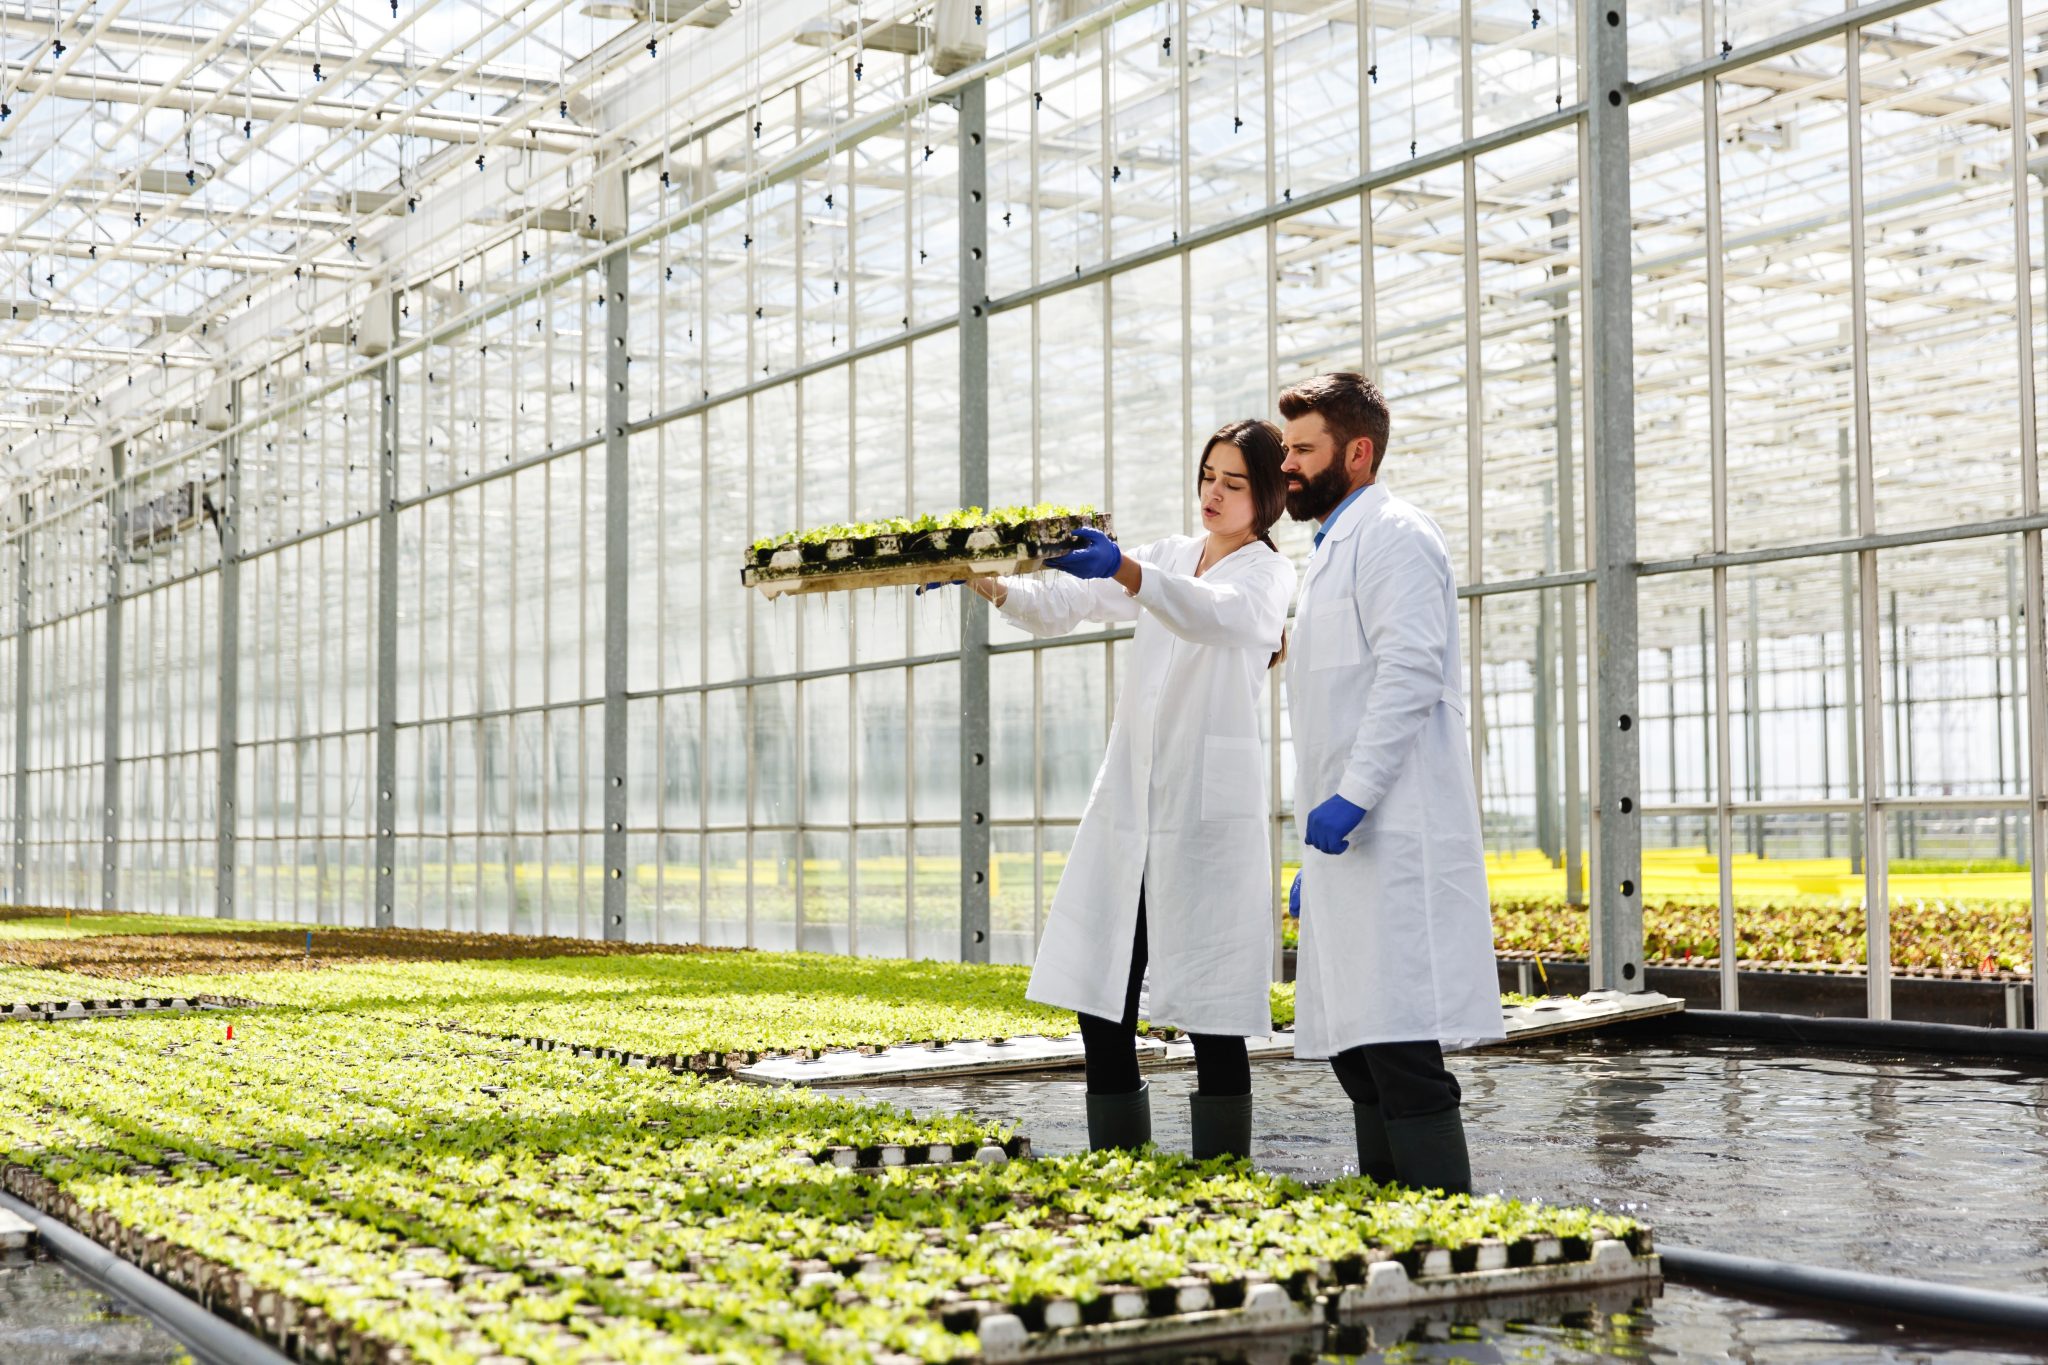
{"x":1259,"y":442}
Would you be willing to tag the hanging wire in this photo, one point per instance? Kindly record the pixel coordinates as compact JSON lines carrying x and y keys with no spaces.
{"x":924,"y":125}
{"x":1414,"y":79}
{"x":1557,"y":52}
{"x":1236,"y":67}
{"x":248,"y":84}
{"x":831,"y":165}
{"x":1286,"y":120}
{"x":1007,"y":201}
{"x":478,"y":96}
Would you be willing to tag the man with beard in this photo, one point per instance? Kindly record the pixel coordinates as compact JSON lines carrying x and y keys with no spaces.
{"x":1396,"y":958}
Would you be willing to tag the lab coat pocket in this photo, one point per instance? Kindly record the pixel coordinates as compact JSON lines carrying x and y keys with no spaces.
{"x":1233,"y":779}
{"x":1333,"y":636}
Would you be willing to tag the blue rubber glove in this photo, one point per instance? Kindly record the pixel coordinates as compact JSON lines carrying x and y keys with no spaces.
{"x":1098,"y":557}
{"x":954,"y":583}
{"x":1294,"y":896}
{"x":1330,"y":825}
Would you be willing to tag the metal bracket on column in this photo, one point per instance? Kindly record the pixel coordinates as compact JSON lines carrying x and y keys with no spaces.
{"x":1617,"y":954}
{"x":110,"y":742}
{"x":975,"y":845}
{"x":386,"y":902}
{"x":617,"y":362}
{"x":228,"y":717}
{"x":21,"y":703}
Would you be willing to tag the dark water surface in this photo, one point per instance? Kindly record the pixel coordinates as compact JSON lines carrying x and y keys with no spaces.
{"x":48,"y":1316}
{"x":1922,"y":1166}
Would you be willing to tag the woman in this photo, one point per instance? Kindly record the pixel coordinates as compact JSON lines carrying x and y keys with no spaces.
{"x":1171,"y":861}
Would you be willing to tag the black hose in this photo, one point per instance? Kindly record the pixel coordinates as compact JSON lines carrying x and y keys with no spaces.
{"x":212,"y":1340}
{"x":1982,"y":1309}
{"x":1962,"y":1040}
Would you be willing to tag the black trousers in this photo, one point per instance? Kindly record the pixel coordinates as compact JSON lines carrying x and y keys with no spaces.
{"x":1222,"y":1066}
{"x":1406,"y":1080}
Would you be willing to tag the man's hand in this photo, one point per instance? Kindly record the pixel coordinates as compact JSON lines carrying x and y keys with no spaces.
{"x":1097,"y":557}
{"x":1294,"y":896}
{"x":1330,"y":825}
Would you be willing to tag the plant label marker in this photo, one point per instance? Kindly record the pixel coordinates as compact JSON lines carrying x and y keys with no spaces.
{"x":231,"y":1033}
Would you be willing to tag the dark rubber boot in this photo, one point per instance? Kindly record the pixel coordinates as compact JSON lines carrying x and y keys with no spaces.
{"x":1429,"y":1152}
{"x":1123,"y":1121}
{"x":1220,"y":1125}
{"x":1375,"y":1157}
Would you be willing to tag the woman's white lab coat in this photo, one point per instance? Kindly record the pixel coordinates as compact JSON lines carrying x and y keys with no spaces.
{"x":1180,"y":803}
{"x":1397,"y":930}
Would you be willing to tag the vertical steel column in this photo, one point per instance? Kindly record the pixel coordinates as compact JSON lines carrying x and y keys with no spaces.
{"x":21,"y":700}
{"x":616,"y":569}
{"x":1475,"y":458}
{"x":110,"y":742}
{"x":2030,"y":495}
{"x":1543,"y":700}
{"x":1876,"y":867}
{"x":2019,"y":683}
{"x":1618,"y":909}
{"x":974,"y":703}
{"x":1717,"y":416}
{"x":1753,"y":717}
{"x":1852,"y":734}
{"x":386,"y":900}
{"x":227,"y":720}
{"x":1568,"y":600}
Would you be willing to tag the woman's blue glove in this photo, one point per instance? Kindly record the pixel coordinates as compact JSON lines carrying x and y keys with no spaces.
{"x":1294,"y":896}
{"x":1098,"y":556}
{"x":1330,"y":825}
{"x":950,"y":583}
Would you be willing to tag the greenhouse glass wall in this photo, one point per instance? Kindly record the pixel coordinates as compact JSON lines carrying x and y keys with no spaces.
{"x":387,"y":570}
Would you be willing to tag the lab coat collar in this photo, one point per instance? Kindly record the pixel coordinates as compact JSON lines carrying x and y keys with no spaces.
{"x":1348,"y":518}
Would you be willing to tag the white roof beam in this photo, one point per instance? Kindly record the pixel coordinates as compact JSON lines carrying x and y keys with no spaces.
{"x":235,"y":103}
{"x":171,"y":39}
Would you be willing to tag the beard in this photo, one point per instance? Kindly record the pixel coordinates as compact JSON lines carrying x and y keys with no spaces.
{"x":1316,"y":497}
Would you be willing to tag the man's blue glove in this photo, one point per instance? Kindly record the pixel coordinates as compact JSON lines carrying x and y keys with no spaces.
{"x":952,"y":583}
{"x":1098,"y":556}
{"x":1294,"y":896}
{"x":1330,"y":824}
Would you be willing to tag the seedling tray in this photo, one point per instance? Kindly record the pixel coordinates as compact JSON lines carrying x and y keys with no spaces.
{"x":1576,"y":1014}
{"x":1169,"y":1049}
{"x":52,"y":1011}
{"x":894,"y":561}
{"x":1268,"y":1310}
{"x":925,"y":1061}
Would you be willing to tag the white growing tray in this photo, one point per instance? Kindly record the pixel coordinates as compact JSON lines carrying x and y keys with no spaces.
{"x":1268,"y":1311}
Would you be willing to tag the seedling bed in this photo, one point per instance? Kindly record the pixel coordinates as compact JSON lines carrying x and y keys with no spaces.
{"x":901,"y":553}
{"x":297,"y":1328}
{"x":429,"y":1190}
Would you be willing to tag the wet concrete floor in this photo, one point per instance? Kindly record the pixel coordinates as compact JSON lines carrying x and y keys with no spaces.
{"x":48,"y":1316}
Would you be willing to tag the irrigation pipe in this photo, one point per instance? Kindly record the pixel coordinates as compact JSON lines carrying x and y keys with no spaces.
{"x":212,"y":1340}
{"x":1962,"y":1040}
{"x":1983,"y":1309}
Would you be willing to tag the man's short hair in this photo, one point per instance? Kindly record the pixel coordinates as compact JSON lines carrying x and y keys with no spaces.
{"x":1351,"y":406}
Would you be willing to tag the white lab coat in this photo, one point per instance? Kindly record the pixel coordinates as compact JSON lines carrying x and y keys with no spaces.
{"x":1180,"y":805}
{"x":1396,"y":931}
